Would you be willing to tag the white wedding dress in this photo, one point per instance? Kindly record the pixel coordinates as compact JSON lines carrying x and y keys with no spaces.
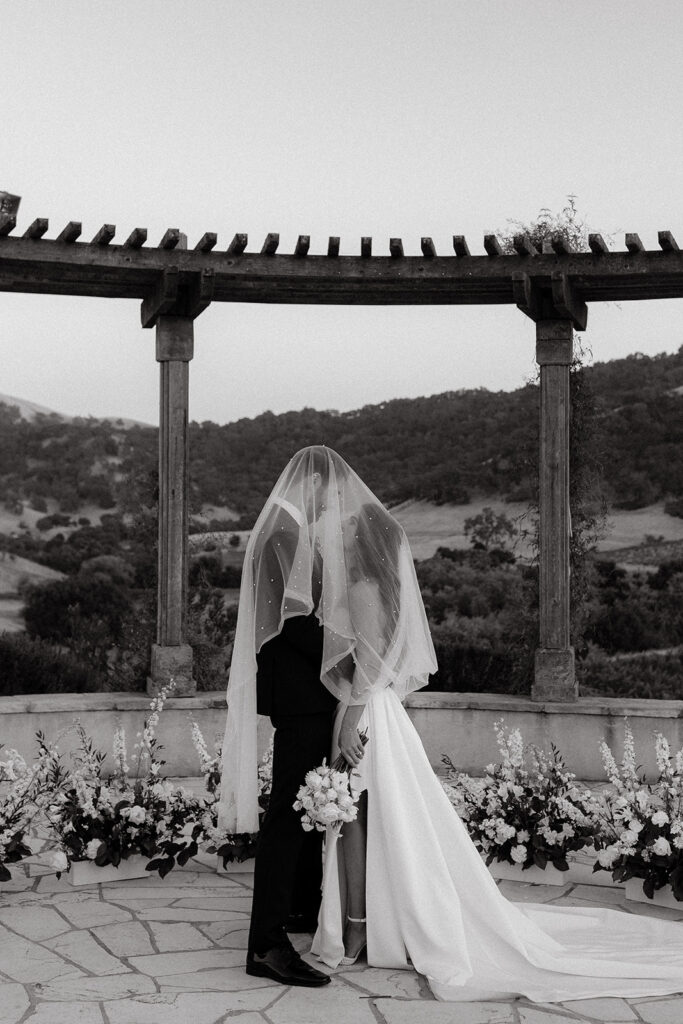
{"x":432,"y":904}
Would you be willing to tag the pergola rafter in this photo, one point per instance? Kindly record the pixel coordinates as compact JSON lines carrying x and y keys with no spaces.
{"x":176,"y":283}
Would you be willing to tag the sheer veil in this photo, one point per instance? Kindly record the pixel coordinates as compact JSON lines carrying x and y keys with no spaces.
{"x":323,"y":543}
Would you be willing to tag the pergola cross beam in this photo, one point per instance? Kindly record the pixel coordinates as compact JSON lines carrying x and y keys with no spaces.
{"x":176,"y":283}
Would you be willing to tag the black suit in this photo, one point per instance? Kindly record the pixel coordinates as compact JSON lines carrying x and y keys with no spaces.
{"x":288,"y":870}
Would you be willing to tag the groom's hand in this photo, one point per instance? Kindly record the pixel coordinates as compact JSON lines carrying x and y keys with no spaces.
{"x":350,"y":743}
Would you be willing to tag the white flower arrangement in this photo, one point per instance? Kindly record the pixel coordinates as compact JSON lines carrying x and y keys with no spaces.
{"x":641,"y":832}
{"x":528,"y":809}
{"x":21,"y":788}
{"x":109,"y":819}
{"x":229,"y":846}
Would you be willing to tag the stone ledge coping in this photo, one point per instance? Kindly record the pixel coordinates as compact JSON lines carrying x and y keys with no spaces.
{"x":616,"y":707}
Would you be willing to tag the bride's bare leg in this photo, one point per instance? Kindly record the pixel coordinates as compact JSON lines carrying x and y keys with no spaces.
{"x":354,"y":839}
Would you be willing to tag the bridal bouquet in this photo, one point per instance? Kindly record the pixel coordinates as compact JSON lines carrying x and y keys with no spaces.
{"x":642,"y":824}
{"x":528,"y":809}
{"x":326,"y":798}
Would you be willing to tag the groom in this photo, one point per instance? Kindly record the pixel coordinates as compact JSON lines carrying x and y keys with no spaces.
{"x":288,"y":869}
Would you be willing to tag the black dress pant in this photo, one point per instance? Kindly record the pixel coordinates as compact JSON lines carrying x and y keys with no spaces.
{"x":288,"y":867}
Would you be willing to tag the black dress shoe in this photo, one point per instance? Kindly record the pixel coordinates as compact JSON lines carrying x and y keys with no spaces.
{"x":297,"y":923}
{"x":283,"y":964}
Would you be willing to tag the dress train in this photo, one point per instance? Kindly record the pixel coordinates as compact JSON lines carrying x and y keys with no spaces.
{"x":433,"y":905}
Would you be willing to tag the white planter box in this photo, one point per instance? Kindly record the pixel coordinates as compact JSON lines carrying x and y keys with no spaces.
{"x":234,"y":866}
{"x":580,"y":871}
{"x":662,"y":897}
{"x":87,"y":872}
{"x":541,"y":876}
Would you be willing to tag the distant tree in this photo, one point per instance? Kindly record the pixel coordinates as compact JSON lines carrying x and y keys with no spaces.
{"x":489,"y":529}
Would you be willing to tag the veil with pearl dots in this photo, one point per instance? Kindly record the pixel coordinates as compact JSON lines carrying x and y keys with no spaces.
{"x":322,"y":544}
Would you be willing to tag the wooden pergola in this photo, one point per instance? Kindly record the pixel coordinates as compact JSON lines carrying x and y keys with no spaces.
{"x":175,"y":284}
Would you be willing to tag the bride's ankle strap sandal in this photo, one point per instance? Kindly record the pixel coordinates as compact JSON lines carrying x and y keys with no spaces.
{"x":347,"y":961}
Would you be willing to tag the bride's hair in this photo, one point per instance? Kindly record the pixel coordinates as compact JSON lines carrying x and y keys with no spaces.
{"x":378,"y":541}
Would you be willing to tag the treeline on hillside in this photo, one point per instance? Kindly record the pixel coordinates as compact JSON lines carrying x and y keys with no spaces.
{"x":444,"y":448}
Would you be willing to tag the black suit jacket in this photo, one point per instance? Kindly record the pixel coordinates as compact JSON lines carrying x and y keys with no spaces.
{"x":288,"y":676}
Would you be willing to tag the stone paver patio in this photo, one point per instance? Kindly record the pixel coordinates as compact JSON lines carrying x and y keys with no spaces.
{"x":148,"y":951}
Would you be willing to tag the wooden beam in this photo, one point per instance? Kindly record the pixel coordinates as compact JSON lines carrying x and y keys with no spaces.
{"x":597,"y":244}
{"x":559,"y":245}
{"x":333,"y":246}
{"x":667,"y":241}
{"x":199,"y":293}
{"x":104,"y":235}
{"x":238,"y":245}
{"x":427,"y":246}
{"x":396,"y":248}
{"x":633,"y":243}
{"x":162,"y":299}
{"x":303,"y":243}
{"x":460,"y":246}
{"x":37,"y":228}
{"x":42,"y":265}
{"x":70,"y":232}
{"x":172,"y":238}
{"x":271,"y":243}
{"x":566,"y":303}
{"x":554,"y":669}
{"x":136,"y":239}
{"x":8,"y":222}
{"x":366,"y":247}
{"x":492,"y":245}
{"x":524,"y":246}
{"x":207,"y":242}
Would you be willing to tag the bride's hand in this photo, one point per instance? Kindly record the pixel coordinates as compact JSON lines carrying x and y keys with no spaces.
{"x":350,"y":743}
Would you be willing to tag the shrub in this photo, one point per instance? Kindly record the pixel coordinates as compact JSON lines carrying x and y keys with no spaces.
{"x":674,"y":507}
{"x":34,"y":666}
{"x":654,"y":676}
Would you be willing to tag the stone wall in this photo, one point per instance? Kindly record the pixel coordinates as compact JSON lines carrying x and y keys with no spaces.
{"x":457,"y":724}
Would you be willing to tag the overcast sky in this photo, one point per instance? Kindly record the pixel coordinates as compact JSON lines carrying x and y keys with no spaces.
{"x":345,"y":117}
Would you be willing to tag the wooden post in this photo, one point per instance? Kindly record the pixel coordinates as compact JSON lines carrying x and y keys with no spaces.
{"x":554,"y":677}
{"x":172,"y":655}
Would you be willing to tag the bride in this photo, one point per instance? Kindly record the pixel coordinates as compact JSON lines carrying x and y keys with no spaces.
{"x":405,"y":883}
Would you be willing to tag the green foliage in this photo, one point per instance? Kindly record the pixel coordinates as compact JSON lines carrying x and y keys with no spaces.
{"x":674,"y":507}
{"x":489,"y":529}
{"x":35,"y":666}
{"x":442,"y":448}
{"x":653,"y":676}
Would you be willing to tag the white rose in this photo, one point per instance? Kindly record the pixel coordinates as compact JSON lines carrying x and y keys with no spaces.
{"x":523,"y":836}
{"x":635,"y":826}
{"x":137,"y":815}
{"x":661,"y":847}
{"x":518,"y":853}
{"x":518,"y":790}
{"x":92,"y":848}
{"x":313,"y":781}
{"x":628,"y":837}
{"x":319,"y":797}
{"x":678,"y":842}
{"x":607,"y":857}
{"x":340,"y":780}
{"x":57,"y":859}
{"x":345,"y":801}
{"x":306,"y":825}
{"x":328,"y":814}
{"x":660,"y":818}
